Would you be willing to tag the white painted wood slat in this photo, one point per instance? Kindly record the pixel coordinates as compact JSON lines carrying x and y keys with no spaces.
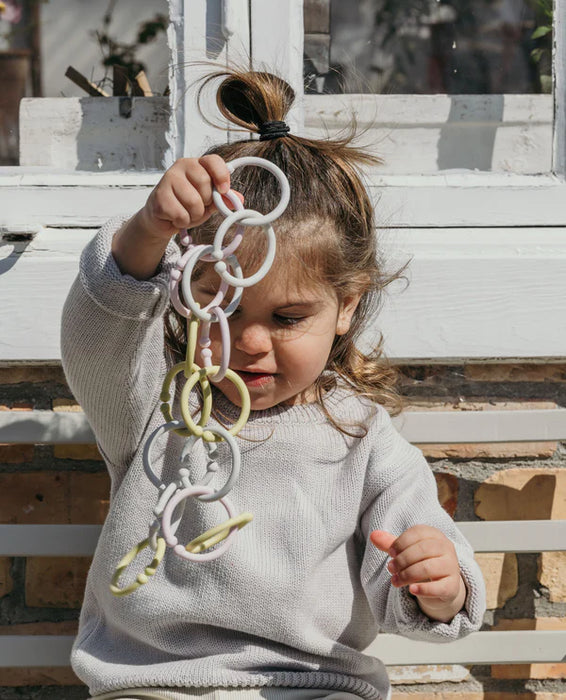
{"x":539,"y":646}
{"x":420,"y":427}
{"x":431,"y":133}
{"x":519,"y":536}
{"x":493,"y":293}
{"x":477,"y":648}
{"x":448,"y":199}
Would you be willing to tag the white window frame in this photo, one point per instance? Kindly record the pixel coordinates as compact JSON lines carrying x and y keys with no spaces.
{"x":458,"y":221}
{"x":460,"y":227}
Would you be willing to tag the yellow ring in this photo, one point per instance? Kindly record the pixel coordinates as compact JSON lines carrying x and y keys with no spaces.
{"x":216,"y":534}
{"x":191,"y":343}
{"x":165,"y":398}
{"x":147,"y":572}
{"x":201,"y":376}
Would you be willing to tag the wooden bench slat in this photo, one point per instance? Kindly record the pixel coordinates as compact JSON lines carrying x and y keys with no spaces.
{"x":421,"y":427}
{"x":530,"y":646}
{"x":526,"y":646}
{"x":520,"y":536}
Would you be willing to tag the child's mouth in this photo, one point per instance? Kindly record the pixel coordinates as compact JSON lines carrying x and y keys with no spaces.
{"x":255,"y":379}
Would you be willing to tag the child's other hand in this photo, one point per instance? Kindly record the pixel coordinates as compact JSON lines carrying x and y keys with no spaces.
{"x":425,"y":560}
{"x":183,"y":197}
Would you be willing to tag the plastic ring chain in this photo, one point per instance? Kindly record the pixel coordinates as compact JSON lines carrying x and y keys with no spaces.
{"x":172,"y":497}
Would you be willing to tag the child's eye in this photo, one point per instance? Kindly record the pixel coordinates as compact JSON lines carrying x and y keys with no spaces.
{"x":288,"y":320}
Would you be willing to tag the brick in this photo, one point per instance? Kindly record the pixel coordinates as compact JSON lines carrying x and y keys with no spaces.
{"x":19,"y":374}
{"x":21,"y":677}
{"x":79,"y":452}
{"x":489,"y":450}
{"x":480,"y":450}
{"x":501,"y":576}
{"x":552,"y":574}
{"x":67,"y":627}
{"x":89,"y":498}
{"x":66,"y":405}
{"x":447,"y":486}
{"x":522,"y":494}
{"x":55,"y":582}
{"x":54,"y":498}
{"x":6,"y":582}
{"x":440,"y":673}
{"x":538,"y":671}
{"x":34,"y":498}
{"x":516,"y":373}
{"x":16,"y":454}
{"x":476,"y":695}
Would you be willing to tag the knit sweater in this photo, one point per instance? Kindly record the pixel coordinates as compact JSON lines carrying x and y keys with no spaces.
{"x":302,"y":591}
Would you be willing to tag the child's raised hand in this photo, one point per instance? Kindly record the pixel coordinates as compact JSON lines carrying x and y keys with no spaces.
{"x":425,"y":560}
{"x":183,"y":197}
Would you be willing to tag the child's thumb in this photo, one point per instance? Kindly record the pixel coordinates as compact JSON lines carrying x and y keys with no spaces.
{"x":382,"y":539}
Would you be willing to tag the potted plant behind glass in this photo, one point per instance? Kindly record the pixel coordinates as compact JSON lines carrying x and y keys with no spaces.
{"x":120,"y":126}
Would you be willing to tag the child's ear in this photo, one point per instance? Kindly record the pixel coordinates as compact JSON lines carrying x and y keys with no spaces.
{"x":347,"y":307}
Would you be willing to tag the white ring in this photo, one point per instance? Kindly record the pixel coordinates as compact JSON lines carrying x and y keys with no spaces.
{"x":283,"y":182}
{"x":172,"y":541}
{"x":187,"y":291}
{"x":220,"y":266}
{"x":165,"y":427}
{"x":235,"y":472}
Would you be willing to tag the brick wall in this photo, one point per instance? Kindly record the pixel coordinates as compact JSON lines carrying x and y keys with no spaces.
{"x":68,"y":484}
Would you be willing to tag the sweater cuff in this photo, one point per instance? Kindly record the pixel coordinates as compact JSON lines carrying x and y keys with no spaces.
{"x":414,"y":624}
{"x":119,"y":294}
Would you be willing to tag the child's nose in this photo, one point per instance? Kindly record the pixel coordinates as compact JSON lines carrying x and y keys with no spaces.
{"x":252,"y":339}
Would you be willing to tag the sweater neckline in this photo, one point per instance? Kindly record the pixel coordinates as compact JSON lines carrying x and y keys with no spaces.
{"x":341,"y":403}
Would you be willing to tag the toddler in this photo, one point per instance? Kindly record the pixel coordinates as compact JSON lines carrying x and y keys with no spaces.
{"x":348,"y":537}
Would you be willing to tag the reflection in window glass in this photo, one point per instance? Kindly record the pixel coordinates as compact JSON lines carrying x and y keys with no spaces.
{"x":39,"y":40}
{"x":428,"y":46}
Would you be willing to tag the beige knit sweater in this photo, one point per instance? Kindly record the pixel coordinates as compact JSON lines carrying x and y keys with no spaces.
{"x":302,"y":591}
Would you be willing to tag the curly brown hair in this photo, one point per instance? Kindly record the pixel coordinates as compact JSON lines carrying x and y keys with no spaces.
{"x":328,"y":228}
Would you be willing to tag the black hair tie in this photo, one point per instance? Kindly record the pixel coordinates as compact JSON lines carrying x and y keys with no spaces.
{"x":273,"y":130}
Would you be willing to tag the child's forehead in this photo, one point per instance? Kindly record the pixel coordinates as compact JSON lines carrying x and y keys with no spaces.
{"x":287,"y":279}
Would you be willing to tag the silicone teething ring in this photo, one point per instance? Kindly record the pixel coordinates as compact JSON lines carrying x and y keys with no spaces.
{"x":146,"y":457}
{"x":236,"y":461}
{"x":143,"y":577}
{"x":221,"y":267}
{"x":173,"y":542}
{"x":198,"y":430}
{"x":194,"y":307}
{"x":283,"y":182}
{"x":165,"y":397}
{"x":216,"y":534}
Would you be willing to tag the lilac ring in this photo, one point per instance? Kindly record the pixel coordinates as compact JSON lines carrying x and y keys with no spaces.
{"x":195,"y":309}
{"x":169,"y":535}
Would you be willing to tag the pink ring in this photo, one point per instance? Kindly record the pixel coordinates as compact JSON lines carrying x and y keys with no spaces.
{"x":169,"y":534}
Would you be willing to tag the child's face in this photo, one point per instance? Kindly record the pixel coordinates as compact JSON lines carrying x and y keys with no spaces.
{"x":281,"y":337}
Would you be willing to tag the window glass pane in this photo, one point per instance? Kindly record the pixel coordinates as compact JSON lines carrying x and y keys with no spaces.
{"x":39,"y":40}
{"x":428,"y":46}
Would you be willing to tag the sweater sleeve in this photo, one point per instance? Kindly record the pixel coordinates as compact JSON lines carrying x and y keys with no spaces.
{"x":400,"y":493}
{"x":112,"y":345}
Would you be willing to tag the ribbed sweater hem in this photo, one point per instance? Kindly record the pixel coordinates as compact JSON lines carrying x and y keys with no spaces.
{"x":309,"y":679}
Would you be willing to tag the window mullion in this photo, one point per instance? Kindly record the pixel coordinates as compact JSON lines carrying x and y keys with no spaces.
{"x":202,"y":31}
{"x":559,"y":68}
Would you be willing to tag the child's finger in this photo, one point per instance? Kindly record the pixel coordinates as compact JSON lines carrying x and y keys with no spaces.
{"x":414,"y":534}
{"x":382,"y":539}
{"x":426,"y":570}
{"x":218,"y":171}
{"x":442,"y":589}
{"x":422,"y":549}
{"x":166,"y":208}
{"x":190,"y":199}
